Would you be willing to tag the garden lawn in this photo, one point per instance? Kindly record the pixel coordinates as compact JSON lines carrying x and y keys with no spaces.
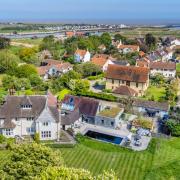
{"x":178,"y":67}
{"x":161,"y":161}
{"x":157,"y":92}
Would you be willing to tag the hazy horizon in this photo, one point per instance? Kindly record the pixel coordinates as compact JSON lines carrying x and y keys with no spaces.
{"x":92,"y":11}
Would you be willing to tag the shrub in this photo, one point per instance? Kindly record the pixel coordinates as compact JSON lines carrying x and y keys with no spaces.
{"x":29,"y":92}
{"x":91,"y":78}
{"x":37,"y":138}
{"x":2,"y":138}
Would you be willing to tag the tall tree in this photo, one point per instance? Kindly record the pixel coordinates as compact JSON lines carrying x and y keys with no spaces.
{"x":4,"y":43}
{"x":106,"y":39}
{"x":150,"y":41}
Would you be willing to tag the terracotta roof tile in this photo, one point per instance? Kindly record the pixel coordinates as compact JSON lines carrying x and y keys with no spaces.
{"x":125,"y":90}
{"x":163,"y":65}
{"x":128,"y":73}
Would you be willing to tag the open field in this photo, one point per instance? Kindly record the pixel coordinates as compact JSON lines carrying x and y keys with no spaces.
{"x":158,"y":32}
{"x":160,"y":161}
{"x":28,"y":41}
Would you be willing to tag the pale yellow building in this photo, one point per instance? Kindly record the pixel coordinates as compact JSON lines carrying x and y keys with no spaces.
{"x":136,"y":78}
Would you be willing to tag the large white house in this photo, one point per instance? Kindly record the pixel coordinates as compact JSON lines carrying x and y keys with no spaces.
{"x":26,"y":115}
{"x":167,"y":69}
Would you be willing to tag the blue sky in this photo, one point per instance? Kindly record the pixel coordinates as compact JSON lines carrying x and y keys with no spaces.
{"x":91,"y":10}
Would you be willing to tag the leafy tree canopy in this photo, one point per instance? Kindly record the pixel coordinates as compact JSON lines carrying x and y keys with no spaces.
{"x":4,"y":42}
{"x":29,"y":160}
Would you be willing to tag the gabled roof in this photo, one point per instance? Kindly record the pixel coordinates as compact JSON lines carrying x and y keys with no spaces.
{"x":42,"y":70}
{"x":81,"y":52}
{"x":163,"y":106}
{"x":100,"y":60}
{"x":12,"y":108}
{"x":51,"y":62}
{"x":82,"y":106}
{"x":133,"y":47}
{"x":128,"y":73}
{"x":142,"y":63}
{"x":125,"y":90}
{"x":163,"y":65}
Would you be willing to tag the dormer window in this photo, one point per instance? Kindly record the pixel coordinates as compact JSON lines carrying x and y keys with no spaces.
{"x":26,"y":106}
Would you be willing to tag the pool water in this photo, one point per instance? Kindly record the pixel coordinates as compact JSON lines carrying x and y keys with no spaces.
{"x":104,"y":137}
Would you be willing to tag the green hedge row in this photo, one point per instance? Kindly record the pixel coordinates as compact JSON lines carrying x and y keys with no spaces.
{"x":91,"y":78}
{"x":103,"y":96}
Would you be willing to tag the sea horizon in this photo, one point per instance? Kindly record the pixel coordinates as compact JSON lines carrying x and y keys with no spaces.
{"x":143,"y":22}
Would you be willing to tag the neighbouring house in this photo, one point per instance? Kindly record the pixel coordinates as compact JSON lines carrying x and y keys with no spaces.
{"x":82,"y":56}
{"x":121,"y":62}
{"x":169,"y":52}
{"x":143,"y":63}
{"x":125,"y":91}
{"x":102,"y":61}
{"x":127,"y":48}
{"x":167,"y":69}
{"x":137,"y":78}
{"x":76,"y":109}
{"x":153,"y":56}
{"x":151,"y":108}
{"x":26,"y":115}
{"x":53,"y":68}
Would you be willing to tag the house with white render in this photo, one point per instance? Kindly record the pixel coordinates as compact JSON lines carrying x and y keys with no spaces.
{"x":26,"y":115}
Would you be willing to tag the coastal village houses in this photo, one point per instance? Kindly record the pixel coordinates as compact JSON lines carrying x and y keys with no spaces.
{"x":102,"y":61}
{"x":82,"y":56}
{"x":136,"y":78}
{"x":127,"y":48}
{"x":167,"y":69}
{"x":53,"y":68}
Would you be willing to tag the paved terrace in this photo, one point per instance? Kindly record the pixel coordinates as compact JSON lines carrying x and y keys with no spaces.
{"x":123,"y":132}
{"x":84,"y":128}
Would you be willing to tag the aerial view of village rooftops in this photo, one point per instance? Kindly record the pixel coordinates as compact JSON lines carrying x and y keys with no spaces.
{"x":89,"y":100}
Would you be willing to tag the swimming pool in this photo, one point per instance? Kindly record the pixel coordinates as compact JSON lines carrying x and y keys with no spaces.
{"x":104,"y":137}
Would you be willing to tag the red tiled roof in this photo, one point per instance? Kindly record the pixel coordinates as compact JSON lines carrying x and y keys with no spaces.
{"x":42,"y":70}
{"x":128,"y":73}
{"x":81,"y":52}
{"x":100,"y":60}
{"x":142,"y":63}
{"x":133,"y":47}
{"x":52,"y":62}
{"x":125,"y":90}
{"x":163,"y":65}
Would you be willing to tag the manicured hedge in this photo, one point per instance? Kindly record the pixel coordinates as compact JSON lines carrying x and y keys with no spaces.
{"x":103,"y":96}
{"x":91,"y":78}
